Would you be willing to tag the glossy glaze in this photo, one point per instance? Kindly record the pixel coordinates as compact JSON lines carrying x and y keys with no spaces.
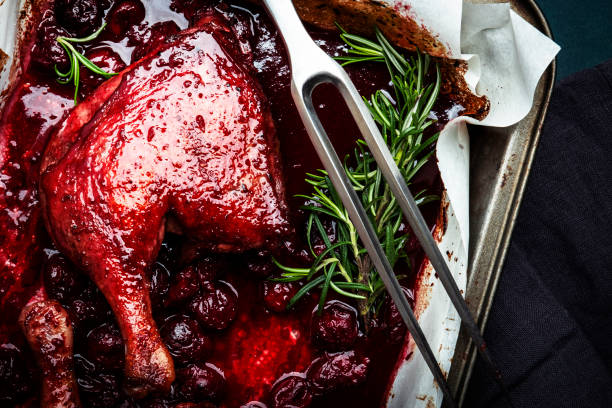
{"x":46,"y":326}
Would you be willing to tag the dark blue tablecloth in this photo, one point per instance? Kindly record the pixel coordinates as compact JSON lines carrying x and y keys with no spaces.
{"x":550,"y":327}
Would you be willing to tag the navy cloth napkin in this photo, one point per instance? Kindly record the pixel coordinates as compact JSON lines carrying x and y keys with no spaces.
{"x":550,"y":328}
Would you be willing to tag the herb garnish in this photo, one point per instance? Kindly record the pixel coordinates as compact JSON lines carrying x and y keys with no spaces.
{"x":344,"y":265}
{"x":75,"y":58}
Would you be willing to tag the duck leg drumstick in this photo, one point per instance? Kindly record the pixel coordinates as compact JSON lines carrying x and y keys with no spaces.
{"x":46,"y":326}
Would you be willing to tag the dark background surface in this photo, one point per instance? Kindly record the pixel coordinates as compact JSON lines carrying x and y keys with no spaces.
{"x":583,"y":28}
{"x":550,"y":327}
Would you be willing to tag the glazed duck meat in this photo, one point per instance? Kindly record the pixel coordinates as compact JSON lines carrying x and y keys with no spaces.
{"x":47,"y":328}
{"x":181,"y":138}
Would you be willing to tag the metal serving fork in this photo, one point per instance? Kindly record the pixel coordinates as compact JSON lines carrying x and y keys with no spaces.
{"x":310,"y":66}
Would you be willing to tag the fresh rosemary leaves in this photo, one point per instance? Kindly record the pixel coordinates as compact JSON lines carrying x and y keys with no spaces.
{"x":344,"y":266}
{"x":76,"y":58}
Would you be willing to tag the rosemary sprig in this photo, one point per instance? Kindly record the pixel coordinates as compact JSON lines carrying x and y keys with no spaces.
{"x":343,"y":266}
{"x":77,"y":58}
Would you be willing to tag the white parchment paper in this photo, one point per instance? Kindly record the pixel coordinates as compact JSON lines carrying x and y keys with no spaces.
{"x":506,"y":58}
{"x":8,"y":31}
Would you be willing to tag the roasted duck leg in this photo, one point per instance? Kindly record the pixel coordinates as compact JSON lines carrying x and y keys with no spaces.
{"x":47,"y":328}
{"x":182,"y":135}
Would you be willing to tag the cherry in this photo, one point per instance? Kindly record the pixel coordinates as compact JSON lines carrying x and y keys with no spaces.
{"x":185,"y":340}
{"x":159,"y":284}
{"x":14,"y":378}
{"x":47,"y":53}
{"x":123,"y":15}
{"x":291,"y":391}
{"x":335,"y":329}
{"x":80,"y":16}
{"x":201,"y":381}
{"x":184,"y":286}
{"x":105,"y":58}
{"x":88,"y":307}
{"x":278,"y":294}
{"x":188,"y":281}
{"x":149,"y":38}
{"x":61,"y":279}
{"x":95,"y":388}
{"x":393,"y":320}
{"x":105,"y":346}
{"x":260,"y":265}
{"x":339,"y":370}
{"x":215,"y":308}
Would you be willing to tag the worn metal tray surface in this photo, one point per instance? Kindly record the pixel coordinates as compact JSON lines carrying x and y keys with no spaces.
{"x":499,"y":164}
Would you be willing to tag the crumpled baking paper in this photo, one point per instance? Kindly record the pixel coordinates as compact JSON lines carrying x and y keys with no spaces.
{"x":8,"y":31}
{"x":506,"y":57}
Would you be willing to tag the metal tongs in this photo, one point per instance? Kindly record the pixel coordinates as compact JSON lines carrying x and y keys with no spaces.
{"x":310,"y":66}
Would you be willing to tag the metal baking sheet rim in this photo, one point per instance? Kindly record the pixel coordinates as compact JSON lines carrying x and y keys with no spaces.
{"x":460,"y":373}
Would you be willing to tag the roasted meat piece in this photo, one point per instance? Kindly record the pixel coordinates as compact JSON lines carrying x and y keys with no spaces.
{"x":47,"y":328}
{"x":182,"y":136}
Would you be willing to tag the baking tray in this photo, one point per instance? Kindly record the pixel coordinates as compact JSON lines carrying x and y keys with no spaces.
{"x":500,"y":163}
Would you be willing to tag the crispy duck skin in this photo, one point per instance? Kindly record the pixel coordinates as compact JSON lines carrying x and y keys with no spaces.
{"x":47,"y":328}
{"x":183,"y":135}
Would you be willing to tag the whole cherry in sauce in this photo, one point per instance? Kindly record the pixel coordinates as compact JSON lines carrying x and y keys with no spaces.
{"x":87,"y":309}
{"x":338,"y":370}
{"x":159,"y":284}
{"x":215,"y":307}
{"x":278,"y":294}
{"x":335,"y":327}
{"x":291,"y":391}
{"x":105,"y":346}
{"x":201,"y":381}
{"x":96,"y":388}
{"x":62,"y":280}
{"x":184,"y":286}
{"x":190,"y":279}
{"x":82,"y":17}
{"x":104,"y":58}
{"x":148,"y":38}
{"x":185,"y":340}
{"x":47,"y":53}
{"x":123,"y":15}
